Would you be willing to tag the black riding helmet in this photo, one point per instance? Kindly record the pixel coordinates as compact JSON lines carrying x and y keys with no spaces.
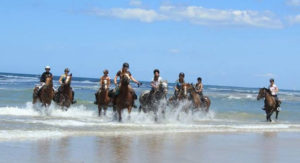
{"x":181,"y":74}
{"x":199,"y":78}
{"x":156,"y":70}
{"x":125,"y":65}
{"x":271,"y":80}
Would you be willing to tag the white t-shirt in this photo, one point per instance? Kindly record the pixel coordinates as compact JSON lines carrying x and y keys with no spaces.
{"x":156,"y":83}
{"x":273,"y":89}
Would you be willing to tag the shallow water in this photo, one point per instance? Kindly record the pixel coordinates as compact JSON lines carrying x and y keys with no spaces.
{"x":233,"y":109}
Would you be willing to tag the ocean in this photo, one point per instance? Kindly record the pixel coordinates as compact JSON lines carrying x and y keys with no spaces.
{"x":234,"y":111}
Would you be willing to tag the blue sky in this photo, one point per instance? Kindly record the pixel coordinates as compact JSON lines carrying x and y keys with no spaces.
{"x":232,"y":42}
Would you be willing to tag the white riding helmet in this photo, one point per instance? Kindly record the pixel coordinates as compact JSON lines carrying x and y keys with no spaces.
{"x":47,"y":67}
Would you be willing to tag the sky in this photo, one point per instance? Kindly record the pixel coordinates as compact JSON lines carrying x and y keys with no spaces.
{"x":232,"y":42}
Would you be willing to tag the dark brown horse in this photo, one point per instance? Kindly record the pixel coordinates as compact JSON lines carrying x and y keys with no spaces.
{"x":103,"y":100}
{"x":270,"y":103}
{"x":125,"y":98}
{"x":182,"y":94}
{"x":45,"y":94}
{"x":152,"y":101}
{"x":64,"y":96}
{"x":197,"y":102}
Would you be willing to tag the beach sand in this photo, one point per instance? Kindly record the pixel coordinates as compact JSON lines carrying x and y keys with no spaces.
{"x":178,"y":147}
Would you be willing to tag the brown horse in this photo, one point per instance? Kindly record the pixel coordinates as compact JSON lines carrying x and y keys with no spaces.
{"x":103,"y":100}
{"x":64,"y":96}
{"x":197,"y":102}
{"x":125,"y":97}
{"x":45,"y":94}
{"x":270,"y":103}
{"x":181,"y":95}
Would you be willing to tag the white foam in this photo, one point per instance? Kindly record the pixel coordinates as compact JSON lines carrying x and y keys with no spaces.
{"x":8,"y":135}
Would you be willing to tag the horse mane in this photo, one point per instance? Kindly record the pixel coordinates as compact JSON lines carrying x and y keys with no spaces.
{"x":267,"y":90}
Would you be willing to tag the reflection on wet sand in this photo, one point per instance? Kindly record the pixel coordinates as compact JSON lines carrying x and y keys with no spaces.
{"x":185,"y":147}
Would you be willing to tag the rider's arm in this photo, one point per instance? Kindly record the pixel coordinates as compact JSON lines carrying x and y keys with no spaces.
{"x":132,"y":78}
{"x":60,"y":79}
{"x":115,"y":79}
{"x":152,"y":84}
{"x":43,"y":77}
{"x":108,"y":82}
{"x":201,"y":88}
{"x":100,"y":82}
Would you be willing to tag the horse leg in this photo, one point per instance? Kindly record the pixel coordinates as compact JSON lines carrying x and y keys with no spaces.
{"x":277,"y":115}
{"x":140,"y":108}
{"x":105,"y":108}
{"x":99,"y":110}
{"x":120,"y":114}
{"x":129,"y":111}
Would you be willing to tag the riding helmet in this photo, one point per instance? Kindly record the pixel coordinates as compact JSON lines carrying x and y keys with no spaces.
{"x":181,"y":74}
{"x":47,"y":67}
{"x":156,"y":70}
{"x":199,"y":78}
{"x":126,"y":65}
{"x":67,"y":70}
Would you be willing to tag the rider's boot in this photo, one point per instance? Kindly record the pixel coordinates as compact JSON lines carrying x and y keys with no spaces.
{"x":96,"y":97}
{"x":73,"y":101}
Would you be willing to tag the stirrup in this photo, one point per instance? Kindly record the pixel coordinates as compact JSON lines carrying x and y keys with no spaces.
{"x":74,"y":102}
{"x":278,"y":109}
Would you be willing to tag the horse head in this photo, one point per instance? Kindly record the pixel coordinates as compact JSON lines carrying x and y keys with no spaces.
{"x":163,"y":87}
{"x":262,"y":93}
{"x":104,"y":85}
{"x":125,"y":79}
{"x":49,"y":80}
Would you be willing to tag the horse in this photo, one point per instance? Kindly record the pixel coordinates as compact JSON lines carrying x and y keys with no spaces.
{"x":182,"y":95}
{"x":270,"y":103}
{"x":125,"y":98}
{"x":151,"y":101}
{"x":45,"y":94}
{"x":103,"y":100}
{"x":64,"y":96}
{"x":197,"y":102}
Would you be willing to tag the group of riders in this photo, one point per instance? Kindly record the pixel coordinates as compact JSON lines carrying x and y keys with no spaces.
{"x":105,"y":82}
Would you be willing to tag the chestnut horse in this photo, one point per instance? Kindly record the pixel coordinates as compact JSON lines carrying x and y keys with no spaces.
{"x":151,"y":102}
{"x":64,"y":96}
{"x":45,"y":94}
{"x":125,"y":97}
{"x":181,"y":95}
{"x":197,"y":102}
{"x":270,"y":103}
{"x":103,"y":100}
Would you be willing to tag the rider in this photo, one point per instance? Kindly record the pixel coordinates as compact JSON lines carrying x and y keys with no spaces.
{"x":104,"y":83}
{"x":199,"y":88}
{"x":178,"y":84}
{"x":46,"y":74}
{"x":62,"y":81}
{"x":156,"y":81}
{"x":119,"y":74}
{"x":274,"y":90}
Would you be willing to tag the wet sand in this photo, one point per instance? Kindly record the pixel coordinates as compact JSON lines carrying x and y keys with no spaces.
{"x":180,"y":147}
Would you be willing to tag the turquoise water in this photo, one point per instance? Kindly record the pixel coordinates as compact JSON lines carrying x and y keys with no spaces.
{"x":233,"y":109}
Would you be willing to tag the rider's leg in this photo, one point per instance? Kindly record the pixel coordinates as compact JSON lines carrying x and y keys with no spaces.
{"x":73,"y":95}
{"x":134,"y":96}
{"x":201,"y":96}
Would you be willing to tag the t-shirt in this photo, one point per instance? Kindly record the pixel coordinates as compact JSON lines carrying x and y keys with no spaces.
{"x":178,"y":84}
{"x":273,"y":89}
{"x":156,"y":83}
{"x":44,"y":76}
